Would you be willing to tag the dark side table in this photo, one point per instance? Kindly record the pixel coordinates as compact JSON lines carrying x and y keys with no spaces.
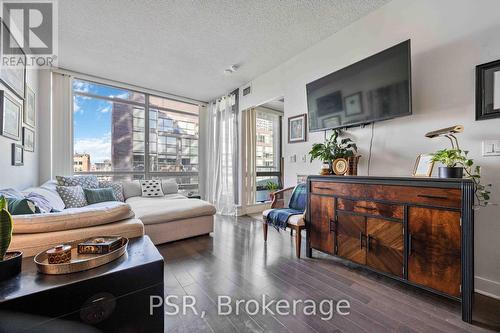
{"x":111,"y":298}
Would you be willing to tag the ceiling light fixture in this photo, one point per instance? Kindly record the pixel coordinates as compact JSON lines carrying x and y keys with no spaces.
{"x":231,"y":69}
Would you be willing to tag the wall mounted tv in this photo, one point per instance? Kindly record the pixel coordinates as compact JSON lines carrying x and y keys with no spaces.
{"x":373,"y":89}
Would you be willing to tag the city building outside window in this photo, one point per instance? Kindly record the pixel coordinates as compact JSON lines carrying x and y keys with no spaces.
{"x":109,"y":135}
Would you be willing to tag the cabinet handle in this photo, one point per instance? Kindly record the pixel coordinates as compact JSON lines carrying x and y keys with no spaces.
{"x":365,"y":207}
{"x":368,"y":240}
{"x":332,"y":225}
{"x":428,"y":196}
{"x":409,"y":243}
{"x":360,"y":240}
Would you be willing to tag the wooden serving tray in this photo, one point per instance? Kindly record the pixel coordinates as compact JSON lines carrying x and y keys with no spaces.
{"x":79,"y":262}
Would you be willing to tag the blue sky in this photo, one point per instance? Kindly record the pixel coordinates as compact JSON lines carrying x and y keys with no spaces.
{"x":92,"y":120}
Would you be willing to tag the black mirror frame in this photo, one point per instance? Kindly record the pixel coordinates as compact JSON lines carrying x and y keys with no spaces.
{"x":481,"y":103}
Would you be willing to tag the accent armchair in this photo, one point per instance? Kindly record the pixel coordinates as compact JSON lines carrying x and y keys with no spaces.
{"x":281,"y":199}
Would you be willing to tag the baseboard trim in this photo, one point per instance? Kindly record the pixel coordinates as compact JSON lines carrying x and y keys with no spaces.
{"x":487,"y":287}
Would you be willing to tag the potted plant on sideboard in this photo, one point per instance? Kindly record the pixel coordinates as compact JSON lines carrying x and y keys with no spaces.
{"x":457,"y":165}
{"x":336,"y":151}
{"x":10,"y":262}
{"x":324,"y":152}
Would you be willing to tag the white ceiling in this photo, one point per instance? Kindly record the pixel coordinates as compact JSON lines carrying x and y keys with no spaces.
{"x":182,"y":47}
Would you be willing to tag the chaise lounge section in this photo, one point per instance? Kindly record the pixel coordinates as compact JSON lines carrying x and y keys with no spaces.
{"x":164,"y":219}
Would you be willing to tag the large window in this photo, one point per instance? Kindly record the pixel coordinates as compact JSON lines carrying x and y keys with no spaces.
{"x":110,"y":126}
{"x":268,"y":153}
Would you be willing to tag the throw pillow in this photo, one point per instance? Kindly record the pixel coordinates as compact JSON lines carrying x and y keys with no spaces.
{"x":49,"y":193}
{"x":151,"y":188}
{"x":41,"y":202}
{"x":73,"y":196}
{"x":99,"y":195}
{"x":117,"y":189}
{"x":83,"y":181}
{"x":10,"y":193}
{"x":22,"y":207}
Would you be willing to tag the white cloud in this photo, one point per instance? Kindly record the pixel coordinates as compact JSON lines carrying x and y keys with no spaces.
{"x":81,"y":86}
{"x":98,"y":148}
{"x":105,"y":109}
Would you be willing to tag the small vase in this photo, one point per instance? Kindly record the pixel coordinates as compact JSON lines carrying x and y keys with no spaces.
{"x":11,"y":265}
{"x":451,"y":172}
{"x":326,"y":169}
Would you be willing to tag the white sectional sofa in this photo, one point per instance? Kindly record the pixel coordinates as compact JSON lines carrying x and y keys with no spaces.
{"x":163,"y":219}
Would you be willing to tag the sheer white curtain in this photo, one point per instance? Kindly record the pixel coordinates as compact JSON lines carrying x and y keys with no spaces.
{"x":221,"y":154}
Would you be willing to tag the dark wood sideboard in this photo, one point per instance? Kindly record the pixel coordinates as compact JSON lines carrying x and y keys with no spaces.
{"x":417,"y":230}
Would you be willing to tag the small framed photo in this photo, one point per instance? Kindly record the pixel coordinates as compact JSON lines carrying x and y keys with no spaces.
{"x":28,"y":139}
{"x":353,"y":104}
{"x":423,"y":166}
{"x":29,"y":108}
{"x":17,"y":154}
{"x":10,"y":116}
{"x":297,"y":128}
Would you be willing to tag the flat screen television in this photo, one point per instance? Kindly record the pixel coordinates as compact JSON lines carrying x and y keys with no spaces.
{"x":373,"y":89}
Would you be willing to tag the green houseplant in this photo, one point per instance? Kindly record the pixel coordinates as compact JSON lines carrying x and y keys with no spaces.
{"x":333,"y":148}
{"x":456,"y":164}
{"x":271,"y":187}
{"x":10,"y":262}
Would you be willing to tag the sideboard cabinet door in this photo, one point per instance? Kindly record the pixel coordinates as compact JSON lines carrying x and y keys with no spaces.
{"x":385,"y":245}
{"x":434,"y":249}
{"x":321,"y":224}
{"x":351,"y":237}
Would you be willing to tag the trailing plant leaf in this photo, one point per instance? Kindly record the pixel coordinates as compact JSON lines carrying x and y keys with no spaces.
{"x":458,"y":158}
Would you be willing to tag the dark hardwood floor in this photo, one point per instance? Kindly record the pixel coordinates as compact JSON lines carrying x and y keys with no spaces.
{"x":236,"y":262}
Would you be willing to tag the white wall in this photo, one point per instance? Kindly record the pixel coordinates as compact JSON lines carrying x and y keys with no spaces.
{"x":20,"y":177}
{"x":448,"y":39}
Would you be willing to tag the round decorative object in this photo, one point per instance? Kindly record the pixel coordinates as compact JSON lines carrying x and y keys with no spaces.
{"x":59,"y":254}
{"x":340,"y":166}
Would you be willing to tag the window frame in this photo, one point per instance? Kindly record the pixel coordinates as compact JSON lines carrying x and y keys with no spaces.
{"x":147,"y":173}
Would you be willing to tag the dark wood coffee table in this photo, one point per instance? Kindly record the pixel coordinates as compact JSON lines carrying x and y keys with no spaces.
{"x":111,"y":298}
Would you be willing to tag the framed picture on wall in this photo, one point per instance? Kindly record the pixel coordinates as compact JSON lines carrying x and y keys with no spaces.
{"x":29,"y":116}
{"x":28,"y":139}
{"x":17,"y":154}
{"x":14,"y":77}
{"x":10,"y":116}
{"x":423,"y":166}
{"x":297,"y":128}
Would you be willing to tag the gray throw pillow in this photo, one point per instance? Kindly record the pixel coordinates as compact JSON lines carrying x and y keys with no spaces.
{"x":84,"y":181}
{"x":117,"y":188}
{"x":151,"y":188}
{"x":73,"y":196}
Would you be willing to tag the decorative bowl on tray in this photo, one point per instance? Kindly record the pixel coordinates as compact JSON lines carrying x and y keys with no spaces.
{"x":79,"y":261}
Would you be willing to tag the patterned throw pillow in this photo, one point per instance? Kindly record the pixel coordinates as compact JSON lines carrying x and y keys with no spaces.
{"x":151,"y":188}
{"x":117,"y":189}
{"x":83,"y":181}
{"x":73,"y":196}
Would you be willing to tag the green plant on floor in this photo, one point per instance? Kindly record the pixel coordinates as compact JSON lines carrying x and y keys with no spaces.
{"x":272,"y":186}
{"x":453,"y":158}
{"x":332,"y":148}
{"x":5,"y":227}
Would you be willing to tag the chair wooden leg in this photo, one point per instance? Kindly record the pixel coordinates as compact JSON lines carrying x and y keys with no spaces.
{"x":264,"y":227}
{"x":298,"y":240}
